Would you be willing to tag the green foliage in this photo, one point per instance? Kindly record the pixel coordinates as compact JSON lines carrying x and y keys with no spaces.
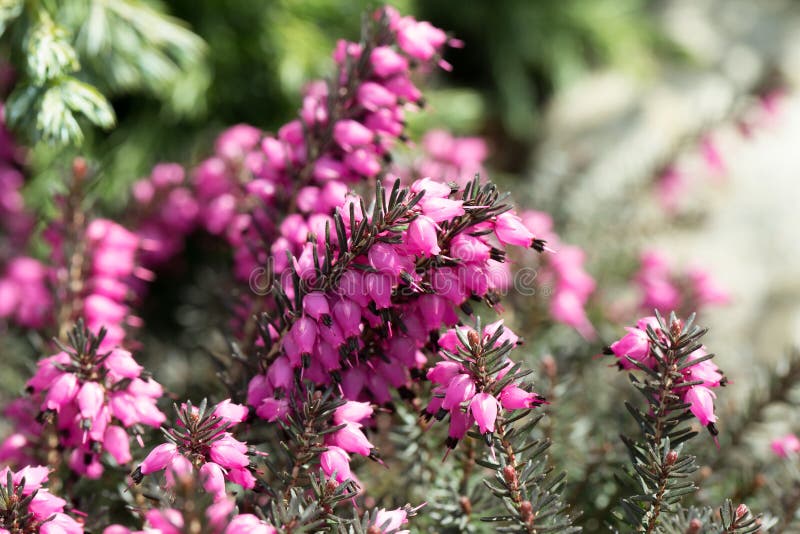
{"x":129,"y":46}
{"x":537,"y":48}
{"x":524,"y":482}
{"x":49,"y":101}
{"x":73,"y":52}
{"x":299,"y":513}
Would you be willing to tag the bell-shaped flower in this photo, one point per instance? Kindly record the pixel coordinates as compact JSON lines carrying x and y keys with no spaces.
{"x":483,"y":408}
{"x":460,"y":389}
{"x":158,"y":458}
{"x":510,"y":230}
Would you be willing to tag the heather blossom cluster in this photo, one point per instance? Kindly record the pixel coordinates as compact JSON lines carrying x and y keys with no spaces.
{"x":219,"y":518}
{"x":365,"y":298}
{"x":664,"y":289}
{"x":399,"y":276}
{"x":700,"y":376}
{"x":92,"y":394}
{"x":675,"y":180}
{"x":342,"y":137}
{"x":475,"y":380}
{"x":27,"y":506}
{"x":203,"y":442}
{"x":93,"y":399}
{"x":566,"y":273}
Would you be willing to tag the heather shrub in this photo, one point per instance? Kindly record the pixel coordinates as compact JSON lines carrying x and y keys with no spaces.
{"x":341,"y":324}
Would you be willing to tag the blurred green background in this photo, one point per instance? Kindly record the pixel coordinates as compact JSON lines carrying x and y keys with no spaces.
{"x":248,"y":60}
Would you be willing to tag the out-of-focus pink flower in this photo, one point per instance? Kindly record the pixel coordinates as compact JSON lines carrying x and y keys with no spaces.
{"x":786,"y":446}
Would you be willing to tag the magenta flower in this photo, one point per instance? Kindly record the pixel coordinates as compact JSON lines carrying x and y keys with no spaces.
{"x":702,"y":404}
{"x":483,"y":408}
{"x":635,"y":345}
{"x":465,"y":391}
{"x":391,"y":520}
{"x":510,"y":231}
{"x":786,"y":446}
{"x":30,"y":507}
{"x":513,"y":397}
{"x":158,"y":459}
{"x":94,"y":396}
{"x":201,"y":441}
{"x":335,"y":462}
{"x":699,"y":375}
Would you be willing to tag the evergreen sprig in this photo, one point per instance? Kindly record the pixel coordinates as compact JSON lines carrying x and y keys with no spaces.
{"x":524,"y":483}
{"x":312,"y":511}
{"x":49,"y":100}
{"x":71,"y":52}
{"x":661,"y":472}
{"x":306,"y":426}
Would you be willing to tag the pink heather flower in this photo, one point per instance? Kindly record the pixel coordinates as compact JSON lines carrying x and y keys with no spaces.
{"x":483,"y":408}
{"x":391,"y":520}
{"x":441,"y":209}
{"x":707,"y":370}
{"x":352,"y":412}
{"x":335,"y":460}
{"x":158,"y":458}
{"x":386,"y":62}
{"x":419,"y":40}
{"x":422,"y":236}
{"x":280,"y":374}
{"x":460,"y":389}
{"x":702,"y":404}
{"x":44,"y":505}
{"x":443,"y":372}
{"x":348,"y":316}
{"x":229,"y":452}
{"x":514,"y":397}
{"x":350,"y":134}
{"x":62,"y":392}
{"x":431,"y":187}
{"x":117,"y":443}
{"x":383,"y":258}
{"x":470,"y":249}
{"x":635,"y":345}
{"x":122,"y":365}
{"x":316,"y":306}
{"x":213,"y":479}
{"x":373,"y":96}
{"x":379,"y":289}
{"x":304,"y":333}
{"x":235,"y":142}
{"x":786,"y":446}
{"x":230,"y":412}
{"x":91,"y":398}
{"x":363,"y":162}
{"x":273,"y":409}
{"x":510,"y":231}
{"x":167,"y":174}
{"x":352,"y":439}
